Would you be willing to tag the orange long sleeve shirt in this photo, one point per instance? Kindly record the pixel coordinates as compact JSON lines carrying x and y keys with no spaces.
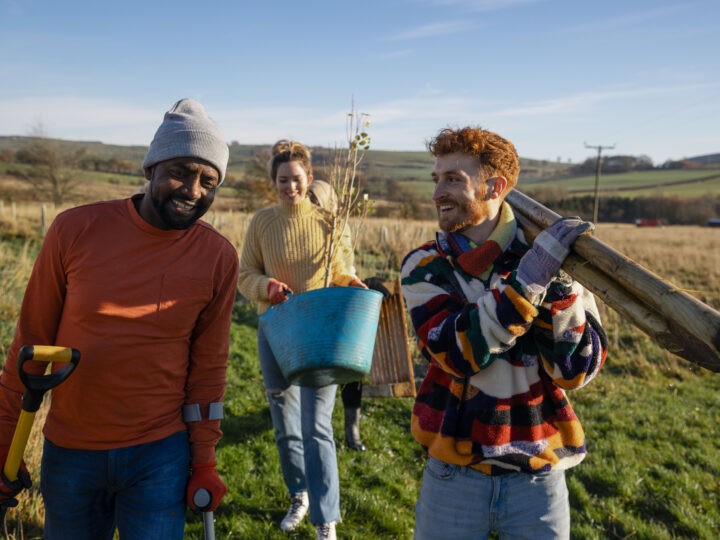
{"x":149,"y":311}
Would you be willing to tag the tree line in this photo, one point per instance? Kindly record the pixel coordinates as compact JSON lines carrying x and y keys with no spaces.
{"x":623,"y":164}
{"x":51,"y":172}
{"x":671,"y":210}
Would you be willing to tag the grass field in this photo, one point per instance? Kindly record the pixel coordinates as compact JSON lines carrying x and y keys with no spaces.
{"x":666,"y":182}
{"x":410,"y":168}
{"x":685,"y":184}
{"x":653,"y":468}
{"x":393,"y":164}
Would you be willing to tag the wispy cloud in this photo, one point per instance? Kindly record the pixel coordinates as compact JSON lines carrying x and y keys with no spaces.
{"x":631,"y":19}
{"x":583,"y":100}
{"x":407,"y":123}
{"x":399,"y":53}
{"x":74,"y":111}
{"x":397,"y":124}
{"x":479,"y":5}
{"x":82,"y":118}
{"x":433,"y":30}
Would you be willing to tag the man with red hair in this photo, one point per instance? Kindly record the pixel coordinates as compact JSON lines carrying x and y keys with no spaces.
{"x":506,"y":333}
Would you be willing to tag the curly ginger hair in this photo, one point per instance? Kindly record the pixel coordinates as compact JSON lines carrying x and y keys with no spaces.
{"x":497,"y":155}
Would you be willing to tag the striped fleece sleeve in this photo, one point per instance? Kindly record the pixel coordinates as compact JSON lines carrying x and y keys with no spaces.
{"x":569,"y":337}
{"x":462,"y":337}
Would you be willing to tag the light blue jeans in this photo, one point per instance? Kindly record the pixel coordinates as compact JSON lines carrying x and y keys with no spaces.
{"x":460,"y":503}
{"x":138,"y":489}
{"x":302,"y":420}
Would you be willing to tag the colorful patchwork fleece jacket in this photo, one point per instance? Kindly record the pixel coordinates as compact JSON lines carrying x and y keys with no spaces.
{"x":494,"y":394}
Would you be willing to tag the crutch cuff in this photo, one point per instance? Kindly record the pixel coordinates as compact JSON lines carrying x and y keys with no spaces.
{"x":215,"y":411}
{"x":192,"y":412}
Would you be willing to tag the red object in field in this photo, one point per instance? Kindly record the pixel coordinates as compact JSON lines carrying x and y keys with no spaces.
{"x":648,"y":222}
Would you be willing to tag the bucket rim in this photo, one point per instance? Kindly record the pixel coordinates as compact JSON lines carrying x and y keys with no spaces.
{"x":315,"y":292}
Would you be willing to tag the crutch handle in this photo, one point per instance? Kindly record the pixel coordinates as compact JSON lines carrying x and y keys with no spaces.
{"x":202,"y":499}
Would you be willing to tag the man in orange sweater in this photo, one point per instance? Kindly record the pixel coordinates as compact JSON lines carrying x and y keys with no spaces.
{"x":144,"y":291}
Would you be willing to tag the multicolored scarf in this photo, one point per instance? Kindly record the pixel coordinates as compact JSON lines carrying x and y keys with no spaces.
{"x":477,"y":260}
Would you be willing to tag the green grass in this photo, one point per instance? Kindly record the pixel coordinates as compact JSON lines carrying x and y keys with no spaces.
{"x":654,"y":463}
{"x":652,"y":470}
{"x":412,"y":170}
{"x":708,"y":188}
{"x":378,"y":487}
{"x":84,"y":175}
{"x":644,"y":182}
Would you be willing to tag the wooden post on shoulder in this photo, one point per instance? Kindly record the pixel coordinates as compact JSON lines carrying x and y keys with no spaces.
{"x":677,"y":321}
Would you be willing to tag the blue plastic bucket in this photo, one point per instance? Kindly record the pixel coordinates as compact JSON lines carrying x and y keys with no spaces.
{"x":325,"y":336}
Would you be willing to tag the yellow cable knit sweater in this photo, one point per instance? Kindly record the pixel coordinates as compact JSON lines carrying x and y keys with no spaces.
{"x":287,"y":242}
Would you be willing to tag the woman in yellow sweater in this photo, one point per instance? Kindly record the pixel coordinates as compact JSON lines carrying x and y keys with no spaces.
{"x":283,"y":252}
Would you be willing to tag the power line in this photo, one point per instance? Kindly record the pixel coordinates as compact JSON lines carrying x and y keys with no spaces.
{"x":599,"y":149}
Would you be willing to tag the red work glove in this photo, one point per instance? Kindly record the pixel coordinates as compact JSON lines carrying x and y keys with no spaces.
{"x":277,"y":291}
{"x":205,"y":476}
{"x":9,"y":490}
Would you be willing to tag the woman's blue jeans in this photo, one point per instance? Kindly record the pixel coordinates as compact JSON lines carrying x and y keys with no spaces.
{"x":462,"y":503}
{"x":138,"y":489}
{"x":302,"y":420}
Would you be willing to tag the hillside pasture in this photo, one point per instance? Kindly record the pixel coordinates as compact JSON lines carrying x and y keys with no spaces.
{"x":687,"y":183}
{"x":680,"y":183}
{"x":651,"y":418}
{"x":89,"y":185}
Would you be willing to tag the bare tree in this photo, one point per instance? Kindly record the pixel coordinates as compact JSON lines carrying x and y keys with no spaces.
{"x":342,"y":175}
{"x":50,"y":169}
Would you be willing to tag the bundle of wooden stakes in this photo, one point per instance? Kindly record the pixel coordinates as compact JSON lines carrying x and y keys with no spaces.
{"x":677,"y":321}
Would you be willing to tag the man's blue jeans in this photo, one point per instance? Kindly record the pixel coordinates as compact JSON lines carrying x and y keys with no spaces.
{"x":460,"y":503}
{"x":302,"y":420}
{"x":138,"y":489}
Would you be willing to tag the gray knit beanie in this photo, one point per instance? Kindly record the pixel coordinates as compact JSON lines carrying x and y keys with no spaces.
{"x":187,"y":131}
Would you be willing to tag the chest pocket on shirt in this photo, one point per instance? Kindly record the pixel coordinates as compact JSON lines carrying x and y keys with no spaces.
{"x":181,"y":300}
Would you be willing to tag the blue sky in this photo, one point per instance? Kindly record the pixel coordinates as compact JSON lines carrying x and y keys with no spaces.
{"x":550,"y":75}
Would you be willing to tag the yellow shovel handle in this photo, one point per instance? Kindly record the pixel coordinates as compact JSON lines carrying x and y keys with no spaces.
{"x":17,"y":447}
{"x":51,"y":353}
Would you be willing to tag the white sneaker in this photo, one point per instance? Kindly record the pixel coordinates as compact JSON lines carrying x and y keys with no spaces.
{"x":325,"y":531}
{"x":298,"y":508}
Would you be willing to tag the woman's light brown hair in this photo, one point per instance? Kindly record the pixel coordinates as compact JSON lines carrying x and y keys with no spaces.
{"x":285,"y":151}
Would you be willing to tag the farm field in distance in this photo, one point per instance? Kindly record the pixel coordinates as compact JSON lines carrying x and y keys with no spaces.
{"x":651,"y":418}
{"x":409,"y":169}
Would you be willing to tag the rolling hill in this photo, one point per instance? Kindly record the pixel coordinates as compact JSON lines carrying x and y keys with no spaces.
{"x":409,"y":171}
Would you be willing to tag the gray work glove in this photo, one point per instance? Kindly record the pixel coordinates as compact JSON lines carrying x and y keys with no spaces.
{"x":540,"y":264}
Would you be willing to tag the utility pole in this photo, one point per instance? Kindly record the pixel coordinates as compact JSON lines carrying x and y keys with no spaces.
{"x":599,"y":149}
